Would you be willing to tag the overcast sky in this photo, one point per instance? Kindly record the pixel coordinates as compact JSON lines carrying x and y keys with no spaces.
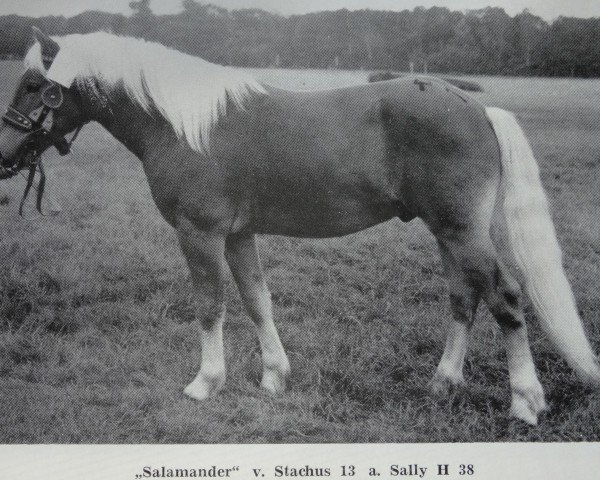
{"x":548,"y":9}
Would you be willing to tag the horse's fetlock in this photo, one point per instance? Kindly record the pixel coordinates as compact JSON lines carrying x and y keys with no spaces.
{"x":276,"y":370}
{"x":214,"y":377}
{"x":277,"y":363}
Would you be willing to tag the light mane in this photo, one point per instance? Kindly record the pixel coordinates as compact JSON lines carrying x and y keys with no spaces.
{"x":189,"y":92}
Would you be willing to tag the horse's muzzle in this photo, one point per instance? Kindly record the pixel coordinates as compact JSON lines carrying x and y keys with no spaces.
{"x":7,"y":171}
{"x":23,"y":160}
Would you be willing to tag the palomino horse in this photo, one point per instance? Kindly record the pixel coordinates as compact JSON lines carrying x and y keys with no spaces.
{"x":228,"y":158}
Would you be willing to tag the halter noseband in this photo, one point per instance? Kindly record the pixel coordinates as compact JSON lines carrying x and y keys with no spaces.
{"x":38,"y":122}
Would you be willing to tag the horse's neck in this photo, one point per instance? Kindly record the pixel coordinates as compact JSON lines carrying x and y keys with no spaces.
{"x":135,"y":128}
{"x":151,"y":139}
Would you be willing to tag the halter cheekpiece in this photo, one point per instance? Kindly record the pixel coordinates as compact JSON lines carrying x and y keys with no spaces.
{"x":41,"y":119}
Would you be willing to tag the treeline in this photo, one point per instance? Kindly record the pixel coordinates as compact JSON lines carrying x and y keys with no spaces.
{"x":486,"y":41}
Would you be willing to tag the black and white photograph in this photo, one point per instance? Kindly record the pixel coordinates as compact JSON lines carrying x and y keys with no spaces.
{"x":334,"y":222}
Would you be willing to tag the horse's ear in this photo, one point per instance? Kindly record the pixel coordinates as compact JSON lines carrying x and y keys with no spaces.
{"x":49,"y":47}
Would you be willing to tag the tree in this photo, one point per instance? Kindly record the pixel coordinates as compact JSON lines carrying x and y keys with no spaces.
{"x":141,"y":8}
{"x":486,"y":41}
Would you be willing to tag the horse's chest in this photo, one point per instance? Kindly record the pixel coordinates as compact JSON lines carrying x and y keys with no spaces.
{"x":165,"y":188}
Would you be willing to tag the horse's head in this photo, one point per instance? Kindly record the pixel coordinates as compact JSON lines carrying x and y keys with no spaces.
{"x":41,"y":114}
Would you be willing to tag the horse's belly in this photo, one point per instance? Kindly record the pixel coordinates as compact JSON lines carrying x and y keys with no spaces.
{"x":315,"y":221}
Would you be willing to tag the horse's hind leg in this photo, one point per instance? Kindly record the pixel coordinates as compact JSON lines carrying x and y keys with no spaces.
{"x":242,"y":256}
{"x":464,"y":299}
{"x":504,"y":301}
{"x":484,"y":273}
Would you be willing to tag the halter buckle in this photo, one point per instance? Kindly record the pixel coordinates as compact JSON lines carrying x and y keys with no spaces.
{"x":20,"y":120}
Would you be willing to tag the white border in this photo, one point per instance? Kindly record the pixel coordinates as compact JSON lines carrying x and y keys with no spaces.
{"x":502,"y":461}
{"x":508,"y":461}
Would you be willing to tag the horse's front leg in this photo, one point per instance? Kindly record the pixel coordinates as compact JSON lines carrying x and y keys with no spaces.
{"x":242,"y":255}
{"x":204,"y":252}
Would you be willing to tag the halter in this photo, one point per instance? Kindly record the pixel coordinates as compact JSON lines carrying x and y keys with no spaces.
{"x":38,"y":122}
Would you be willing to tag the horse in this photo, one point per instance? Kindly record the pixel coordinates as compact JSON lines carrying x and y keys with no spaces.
{"x":228,"y":158}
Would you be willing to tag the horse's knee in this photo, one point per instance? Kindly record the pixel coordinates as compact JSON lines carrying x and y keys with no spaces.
{"x":463,"y":305}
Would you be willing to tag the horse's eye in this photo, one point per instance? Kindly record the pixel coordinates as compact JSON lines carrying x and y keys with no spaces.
{"x":33,"y":87}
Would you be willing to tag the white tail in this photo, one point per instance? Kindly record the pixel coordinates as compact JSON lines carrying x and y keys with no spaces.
{"x":535,"y":247}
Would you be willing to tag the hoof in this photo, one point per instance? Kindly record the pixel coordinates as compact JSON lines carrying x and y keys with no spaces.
{"x":204,"y":386}
{"x":442,"y":384}
{"x":527,"y":405}
{"x":273,"y":381}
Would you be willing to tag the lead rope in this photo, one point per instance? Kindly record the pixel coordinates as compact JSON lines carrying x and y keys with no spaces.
{"x":36,"y":165}
{"x":32,"y":168}
{"x":74,"y":137}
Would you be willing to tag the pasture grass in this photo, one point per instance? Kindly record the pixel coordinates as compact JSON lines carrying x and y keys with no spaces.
{"x":97,"y":331}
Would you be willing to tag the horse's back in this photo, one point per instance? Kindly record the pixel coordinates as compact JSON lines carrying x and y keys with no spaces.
{"x":412,"y":115}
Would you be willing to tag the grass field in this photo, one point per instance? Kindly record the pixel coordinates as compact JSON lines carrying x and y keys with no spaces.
{"x":97,"y":338}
